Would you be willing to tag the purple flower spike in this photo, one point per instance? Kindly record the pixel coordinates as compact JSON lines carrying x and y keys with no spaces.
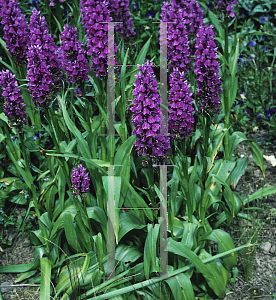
{"x":207,"y":70}
{"x":74,"y":62}
{"x":147,"y":118}
{"x":177,"y":37}
{"x":43,"y":62}
{"x":80,"y":180}
{"x":14,"y":105}
{"x":16,"y":32}
{"x":181,"y":111}
{"x":119,"y":10}
{"x":95,"y":14}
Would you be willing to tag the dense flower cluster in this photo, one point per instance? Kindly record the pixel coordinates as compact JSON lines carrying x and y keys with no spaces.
{"x":14,"y":105}
{"x":177,"y":37}
{"x":207,"y":70}
{"x":95,"y":15}
{"x":119,"y":10}
{"x":147,"y":116}
{"x":80,"y":180}
{"x":227,"y":5}
{"x":16,"y":32}
{"x":181,"y":111}
{"x":74,"y":62}
{"x":43,"y":63}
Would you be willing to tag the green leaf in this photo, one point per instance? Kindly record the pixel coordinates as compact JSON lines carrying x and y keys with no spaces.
{"x":38,"y":253}
{"x":219,"y":271}
{"x":238,"y":171}
{"x":150,"y":249}
{"x":70,"y":232}
{"x":181,"y":287}
{"x":225,"y":243}
{"x":212,"y":277}
{"x":128,"y":221}
{"x":189,"y":234}
{"x":24,"y":276}
{"x":70,"y":277}
{"x":215,"y":21}
{"x":45,"y":284}
{"x":266,"y":191}
{"x":140,"y":60}
{"x":127,"y":253}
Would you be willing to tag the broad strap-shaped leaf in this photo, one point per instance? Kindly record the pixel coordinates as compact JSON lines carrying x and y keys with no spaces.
{"x":213,"y":279}
{"x":127,"y":253}
{"x":45,"y":283}
{"x":181,"y":287}
{"x":225,"y":243}
{"x":266,"y":191}
{"x":70,"y":232}
{"x":150,"y":249}
{"x":129,"y":221}
{"x":257,"y":153}
{"x":219,"y":271}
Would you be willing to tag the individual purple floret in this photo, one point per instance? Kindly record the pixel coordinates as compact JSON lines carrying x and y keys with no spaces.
{"x":146,"y":115}
{"x":74,"y":62}
{"x":52,"y":3}
{"x":227,"y":6}
{"x":14,"y":105}
{"x":80,"y":180}
{"x":177,"y":37}
{"x":43,"y":63}
{"x":207,"y":70}
{"x":119,"y":10}
{"x":16,"y":32}
{"x":181,"y":109}
{"x":95,"y":15}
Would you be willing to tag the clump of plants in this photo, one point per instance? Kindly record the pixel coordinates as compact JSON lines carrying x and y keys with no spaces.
{"x":123,"y":149}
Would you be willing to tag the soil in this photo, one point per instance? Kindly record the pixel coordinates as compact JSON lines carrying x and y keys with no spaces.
{"x":261,"y":284}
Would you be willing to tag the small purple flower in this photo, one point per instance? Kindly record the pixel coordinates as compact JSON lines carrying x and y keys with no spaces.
{"x":263,"y":19}
{"x":228,"y":6}
{"x":147,"y":118}
{"x":252,"y":44}
{"x":270,"y":112}
{"x":250,"y":57}
{"x":16,"y":32}
{"x":80,"y":180}
{"x":23,"y":180}
{"x":14,"y":105}
{"x":150,"y":14}
{"x":259,"y":116}
{"x":245,"y":111}
{"x":36,"y":136}
{"x":264,"y":48}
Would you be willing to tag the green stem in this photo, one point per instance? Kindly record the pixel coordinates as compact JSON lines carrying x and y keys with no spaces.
{"x":28,"y":170}
{"x":151,"y":181}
